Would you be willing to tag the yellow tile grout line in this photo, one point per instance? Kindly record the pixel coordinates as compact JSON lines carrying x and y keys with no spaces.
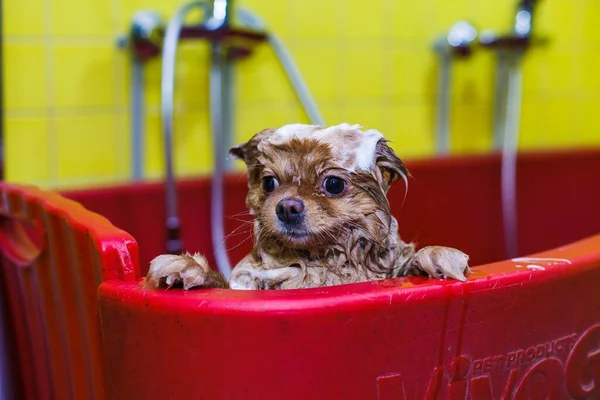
{"x":388,"y":71}
{"x":340,"y":45}
{"x":63,"y":112}
{"x":57,"y":39}
{"x":53,"y":153}
{"x":120,"y":65}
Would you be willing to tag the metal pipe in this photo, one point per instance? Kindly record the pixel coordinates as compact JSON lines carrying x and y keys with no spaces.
{"x":500,"y":98}
{"x":227,"y":111}
{"x":457,"y":43}
{"x":219,"y":153}
{"x":443,"y":117}
{"x":145,"y":40}
{"x":137,"y":118}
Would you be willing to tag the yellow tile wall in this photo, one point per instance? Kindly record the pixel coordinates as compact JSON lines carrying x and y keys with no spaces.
{"x":67,"y":85}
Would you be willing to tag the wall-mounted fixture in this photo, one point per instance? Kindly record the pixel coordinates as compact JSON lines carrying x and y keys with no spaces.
{"x":510,"y":48}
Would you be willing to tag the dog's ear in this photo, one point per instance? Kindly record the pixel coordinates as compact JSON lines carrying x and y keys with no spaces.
{"x":249,"y":153}
{"x":238,"y":151}
{"x":389,"y":165}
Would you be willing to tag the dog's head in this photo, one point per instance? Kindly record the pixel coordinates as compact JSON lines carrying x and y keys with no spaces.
{"x":312,"y":187}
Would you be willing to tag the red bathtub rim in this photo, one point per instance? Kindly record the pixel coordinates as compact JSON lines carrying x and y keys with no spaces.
{"x":583,"y":255}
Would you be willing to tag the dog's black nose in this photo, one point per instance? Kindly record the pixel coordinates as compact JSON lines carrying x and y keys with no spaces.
{"x":289,"y":210}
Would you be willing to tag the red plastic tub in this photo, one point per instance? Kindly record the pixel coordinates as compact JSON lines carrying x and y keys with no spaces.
{"x":81,"y":326}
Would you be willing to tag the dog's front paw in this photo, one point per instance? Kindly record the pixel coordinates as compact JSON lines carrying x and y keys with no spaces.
{"x":185,"y":270}
{"x":440,"y":262}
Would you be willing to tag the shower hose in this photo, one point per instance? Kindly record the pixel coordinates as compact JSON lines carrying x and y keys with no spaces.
{"x":297,"y":83}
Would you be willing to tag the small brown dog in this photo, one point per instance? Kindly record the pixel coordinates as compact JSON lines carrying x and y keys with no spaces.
{"x":322,"y":218}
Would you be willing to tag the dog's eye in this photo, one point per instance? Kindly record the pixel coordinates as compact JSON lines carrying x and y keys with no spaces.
{"x":270,"y":183}
{"x":334,"y":185}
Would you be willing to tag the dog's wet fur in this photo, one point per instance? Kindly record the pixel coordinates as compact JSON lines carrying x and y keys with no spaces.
{"x":321,"y":216}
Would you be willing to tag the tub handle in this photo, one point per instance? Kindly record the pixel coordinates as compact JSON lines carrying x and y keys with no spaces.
{"x":21,"y":239}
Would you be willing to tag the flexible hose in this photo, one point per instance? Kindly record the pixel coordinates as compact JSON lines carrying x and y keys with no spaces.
{"x":286,"y":61}
{"x":443,"y":117}
{"x":169,"y":53}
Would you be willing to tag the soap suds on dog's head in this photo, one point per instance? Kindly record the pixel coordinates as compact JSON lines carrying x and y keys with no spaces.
{"x":315,"y":149}
{"x":353,"y":148}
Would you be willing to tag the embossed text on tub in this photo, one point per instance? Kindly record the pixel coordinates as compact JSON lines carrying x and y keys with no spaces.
{"x":567,"y":367}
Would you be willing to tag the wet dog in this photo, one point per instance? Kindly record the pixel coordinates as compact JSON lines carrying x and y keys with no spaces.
{"x":321,"y":216}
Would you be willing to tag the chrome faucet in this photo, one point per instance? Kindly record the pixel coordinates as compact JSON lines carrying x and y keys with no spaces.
{"x":523,"y":23}
{"x":221,"y":15}
{"x":521,"y":33}
{"x":146,"y":34}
